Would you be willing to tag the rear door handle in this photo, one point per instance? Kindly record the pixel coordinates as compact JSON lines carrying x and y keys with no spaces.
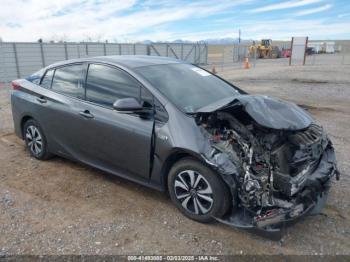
{"x":41,"y":99}
{"x":86,"y":114}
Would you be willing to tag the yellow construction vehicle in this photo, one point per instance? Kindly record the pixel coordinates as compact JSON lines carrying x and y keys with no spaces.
{"x":266,"y":50}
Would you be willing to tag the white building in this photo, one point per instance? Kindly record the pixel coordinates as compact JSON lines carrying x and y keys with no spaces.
{"x":322,"y":47}
{"x":318,"y":46}
{"x":330,"y":47}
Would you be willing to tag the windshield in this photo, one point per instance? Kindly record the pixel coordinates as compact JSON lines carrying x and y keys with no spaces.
{"x":188,"y":87}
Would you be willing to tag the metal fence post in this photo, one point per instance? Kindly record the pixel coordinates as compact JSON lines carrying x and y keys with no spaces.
{"x":255,"y":50}
{"x":86,"y":49}
{"x":291,"y":52}
{"x":199,"y":53}
{"x":148,"y":50}
{"x":223,"y":58}
{"x":78,"y":50}
{"x":182,"y":51}
{"x":2,"y":72}
{"x":42,"y":54}
{"x":134,"y":47}
{"x":65,"y":50}
{"x":195,"y":53}
{"x":206,"y":53}
{"x":3,"y":69}
{"x":104,"y":49}
{"x":120,"y":49}
{"x":16,"y":60}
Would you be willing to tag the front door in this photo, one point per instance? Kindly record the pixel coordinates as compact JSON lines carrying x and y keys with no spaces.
{"x":112,"y":140}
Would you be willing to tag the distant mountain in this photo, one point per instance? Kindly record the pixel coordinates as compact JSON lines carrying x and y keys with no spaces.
{"x":223,"y":41}
{"x":211,"y":41}
{"x":180,"y":41}
{"x":147,"y":42}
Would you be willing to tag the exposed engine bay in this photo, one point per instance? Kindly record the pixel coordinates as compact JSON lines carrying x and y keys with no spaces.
{"x":273,"y":168}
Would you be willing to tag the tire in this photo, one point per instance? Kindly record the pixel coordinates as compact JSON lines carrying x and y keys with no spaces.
{"x":192,"y":198}
{"x":35,"y":140}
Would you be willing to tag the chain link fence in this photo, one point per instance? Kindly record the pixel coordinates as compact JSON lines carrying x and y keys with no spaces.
{"x":227,"y":57}
{"x":18,"y":60}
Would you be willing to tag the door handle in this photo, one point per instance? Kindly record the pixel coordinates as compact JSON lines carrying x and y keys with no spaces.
{"x":86,"y":114}
{"x":41,"y":100}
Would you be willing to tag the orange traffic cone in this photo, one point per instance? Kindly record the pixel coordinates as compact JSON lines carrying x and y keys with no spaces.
{"x":213,"y":70}
{"x":246,"y":63}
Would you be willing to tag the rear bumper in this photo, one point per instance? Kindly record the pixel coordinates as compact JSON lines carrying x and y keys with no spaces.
{"x":16,"y":115}
{"x":309,"y":201}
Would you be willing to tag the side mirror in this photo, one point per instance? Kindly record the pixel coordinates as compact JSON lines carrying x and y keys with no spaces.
{"x":127,"y":104}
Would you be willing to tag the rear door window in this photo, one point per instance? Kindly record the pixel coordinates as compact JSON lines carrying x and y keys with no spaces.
{"x":35,"y":78}
{"x":105,"y":84}
{"x":68,"y":80}
{"x":47,"y":79}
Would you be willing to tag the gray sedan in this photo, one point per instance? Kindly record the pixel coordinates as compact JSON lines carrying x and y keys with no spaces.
{"x":249,"y":161}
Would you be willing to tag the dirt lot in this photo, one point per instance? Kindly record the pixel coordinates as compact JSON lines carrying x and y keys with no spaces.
{"x":61,"y":207}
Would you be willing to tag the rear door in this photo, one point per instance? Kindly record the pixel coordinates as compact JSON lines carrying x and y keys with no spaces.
{"x":61,"y":108}
{"x":116,"y":141}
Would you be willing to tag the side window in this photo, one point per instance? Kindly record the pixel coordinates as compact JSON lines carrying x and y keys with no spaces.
{"x":47,"y":79}
{"x":36,"y":77}
{"x":106,"y":84}
{"x":68,"y":80}
{"x":146,"y":98}
{"x":161,"y":113}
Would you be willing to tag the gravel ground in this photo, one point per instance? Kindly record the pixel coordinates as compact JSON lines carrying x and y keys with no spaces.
{"x":61,"y":207}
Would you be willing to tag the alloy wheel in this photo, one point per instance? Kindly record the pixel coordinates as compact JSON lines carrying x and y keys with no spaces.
{"x":194,"y":192}
{"x":34,"y":140}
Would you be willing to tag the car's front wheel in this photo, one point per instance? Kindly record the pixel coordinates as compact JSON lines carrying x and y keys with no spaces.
{"x":35,"y":140}
{"x":197,"y":191}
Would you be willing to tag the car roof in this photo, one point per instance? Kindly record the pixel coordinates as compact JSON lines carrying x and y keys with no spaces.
{"x":129,"y":61}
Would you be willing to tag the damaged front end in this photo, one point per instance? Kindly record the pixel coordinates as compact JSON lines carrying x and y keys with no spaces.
{"x":277,"y":170}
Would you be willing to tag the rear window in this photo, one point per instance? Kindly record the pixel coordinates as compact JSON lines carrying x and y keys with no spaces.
{"x":35,"y":77}
{"x":47,"y":79}
{"x":68,"y":80}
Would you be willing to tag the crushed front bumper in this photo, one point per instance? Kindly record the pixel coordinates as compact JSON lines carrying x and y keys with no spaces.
{"x":311,"y":201}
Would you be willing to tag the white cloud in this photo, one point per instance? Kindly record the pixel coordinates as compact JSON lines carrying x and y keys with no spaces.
{"x":74,"y":20}
{"x":77,"y":20}
{"x":314,"y":10}
{"x":343,"y":15}
{"x":276,"y":30}
{"x":283,"y":5}
{"x":286,"y":28}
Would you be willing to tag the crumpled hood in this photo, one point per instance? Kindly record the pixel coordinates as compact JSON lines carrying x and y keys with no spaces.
{"x":272,"y":112}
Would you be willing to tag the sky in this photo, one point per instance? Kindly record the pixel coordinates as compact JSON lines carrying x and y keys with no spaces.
{"x":164,"y":20}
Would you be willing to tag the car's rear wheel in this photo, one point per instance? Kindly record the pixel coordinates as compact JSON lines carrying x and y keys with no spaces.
{"x":197,"y":191}
{"x":35,"y":140}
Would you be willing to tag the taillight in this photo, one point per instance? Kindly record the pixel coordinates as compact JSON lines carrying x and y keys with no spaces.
{"x":15,"y":86}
